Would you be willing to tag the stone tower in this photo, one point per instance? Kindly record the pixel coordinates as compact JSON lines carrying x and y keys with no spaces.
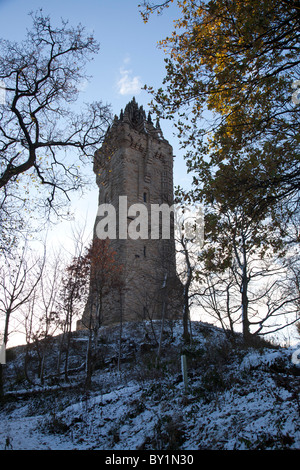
{"x":135,"y":166}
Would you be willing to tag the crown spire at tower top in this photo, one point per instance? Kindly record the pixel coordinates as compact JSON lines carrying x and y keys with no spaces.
{"x":135,"y":116}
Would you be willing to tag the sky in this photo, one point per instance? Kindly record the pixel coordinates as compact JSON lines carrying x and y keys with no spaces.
{"x":128,"y":59}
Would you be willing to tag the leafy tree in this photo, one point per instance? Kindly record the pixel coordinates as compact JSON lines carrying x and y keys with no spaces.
{"x":42,"y":138}
{"x":230,"y":70}
{"x":149,"y":8}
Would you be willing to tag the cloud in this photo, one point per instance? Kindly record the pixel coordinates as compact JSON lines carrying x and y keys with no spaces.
{"x":126,"y":59}
{"x":82,"y":86}
{"x":128,"y":84}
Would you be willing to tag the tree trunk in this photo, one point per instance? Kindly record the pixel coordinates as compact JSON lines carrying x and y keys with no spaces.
{"x":162,"y":321}
{"x":88,"y":378}
{"x":245,"y":302}
{"x":61,"y":343}
{"x":186,"y":304}
{"x":243,"y":264}
{"x":26,"y":360}
{"x":69,"y":334}
{"x":161,"y":333}
{"x":120,"y":336}
{"x":1,"y":383}
{"x":186,"y":316}
{"x":42,"y":369}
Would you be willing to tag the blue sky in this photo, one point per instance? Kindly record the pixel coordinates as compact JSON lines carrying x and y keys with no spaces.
{"x":128,"y":59}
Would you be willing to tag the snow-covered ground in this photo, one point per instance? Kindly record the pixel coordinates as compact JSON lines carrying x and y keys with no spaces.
{"x":237,"y":397}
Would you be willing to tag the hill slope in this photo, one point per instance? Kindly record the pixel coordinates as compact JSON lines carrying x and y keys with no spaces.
{"x":237,"y":397}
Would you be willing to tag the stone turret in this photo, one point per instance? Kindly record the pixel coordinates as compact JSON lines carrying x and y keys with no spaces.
{"x":137,"y":162}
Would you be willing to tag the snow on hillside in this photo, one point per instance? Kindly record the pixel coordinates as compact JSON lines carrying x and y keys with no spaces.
{"x":237,"y":398}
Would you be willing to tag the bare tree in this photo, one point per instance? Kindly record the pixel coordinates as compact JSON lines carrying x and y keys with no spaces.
{"x":47,"y":310}
{"x":28,"y":312}
{"x":219,"y":299}
{"x":189,"y":240}
{"x":103,"y":277}
{"x":19,"y":277}
{"x":279,"y":298}
{"x":247,"y":279}
{"x":42,"y":76}
{"x":186,"y":273}
{"x":73,"y":296}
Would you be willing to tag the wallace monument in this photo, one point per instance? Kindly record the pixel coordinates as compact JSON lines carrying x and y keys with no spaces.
{"x":134,"y":168}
